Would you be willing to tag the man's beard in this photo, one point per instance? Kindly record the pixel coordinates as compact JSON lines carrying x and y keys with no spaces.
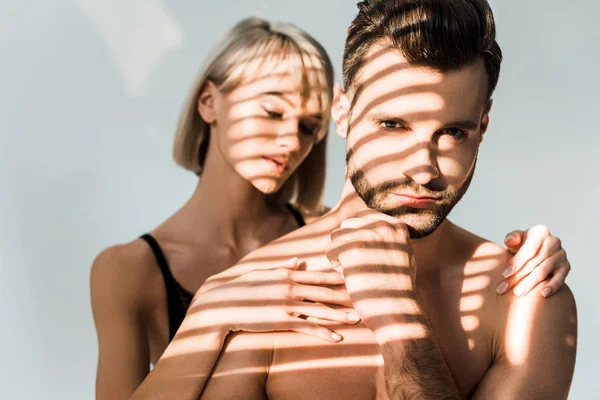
{"x":420,"y":222}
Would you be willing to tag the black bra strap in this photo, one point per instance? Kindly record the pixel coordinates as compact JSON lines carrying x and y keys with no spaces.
{"x":297,"y":215}
{"x":176,"y":314}
{"x":159,"y":255}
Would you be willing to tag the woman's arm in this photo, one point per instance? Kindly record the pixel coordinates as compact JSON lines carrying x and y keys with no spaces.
{"x":186,"y":364}
{"x":258,"y":301}
{"x":123,"y":360}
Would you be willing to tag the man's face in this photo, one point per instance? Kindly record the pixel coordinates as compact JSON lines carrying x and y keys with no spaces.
{"x":413,"y":137}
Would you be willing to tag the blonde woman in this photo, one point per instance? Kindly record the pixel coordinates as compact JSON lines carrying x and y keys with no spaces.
{"x":254,"y":130}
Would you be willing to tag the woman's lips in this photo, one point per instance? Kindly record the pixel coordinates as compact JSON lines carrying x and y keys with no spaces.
{"x":278,"y":165}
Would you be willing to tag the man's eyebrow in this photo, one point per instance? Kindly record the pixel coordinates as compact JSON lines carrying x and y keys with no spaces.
{"x":466,"y":125}
{"x":382,"y":116}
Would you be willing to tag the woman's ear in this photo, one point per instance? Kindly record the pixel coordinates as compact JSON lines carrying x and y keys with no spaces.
{"x":340,"y":109}
{"x":485,"y":118}
{"x":206,"y":102}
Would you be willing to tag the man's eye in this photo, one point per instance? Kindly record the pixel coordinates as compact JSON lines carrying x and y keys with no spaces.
{"x":273,"y":114}
{"x":454,"y":133}
{"x":391,"y":124}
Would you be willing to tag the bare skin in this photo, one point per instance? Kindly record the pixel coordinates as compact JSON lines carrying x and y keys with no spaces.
{"x":212,"y":231}
{"x":433,"y":326}
{"x":486,"y":340}
{"x":133,"y":315}
{"x":205,"y":237}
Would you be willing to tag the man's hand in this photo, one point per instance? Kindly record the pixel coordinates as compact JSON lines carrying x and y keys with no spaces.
{"x":373,"y":253}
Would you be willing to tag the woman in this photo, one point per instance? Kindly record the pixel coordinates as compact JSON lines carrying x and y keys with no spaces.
{"x":255,"y":130}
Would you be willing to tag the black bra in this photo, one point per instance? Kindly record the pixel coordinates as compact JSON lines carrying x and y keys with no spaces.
{"x":179,"y":299}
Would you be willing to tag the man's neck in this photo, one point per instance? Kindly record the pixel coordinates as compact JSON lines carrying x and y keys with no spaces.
{"x":426,"y":250}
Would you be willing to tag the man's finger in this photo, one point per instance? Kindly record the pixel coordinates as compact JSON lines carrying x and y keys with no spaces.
{"x":332,"y":252}
{"x":377,"y":216}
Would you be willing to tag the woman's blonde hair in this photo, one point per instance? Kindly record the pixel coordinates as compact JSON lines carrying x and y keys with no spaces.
{"x":252,"y":39}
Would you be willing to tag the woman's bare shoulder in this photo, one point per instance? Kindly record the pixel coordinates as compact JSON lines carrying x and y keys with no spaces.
{"x":123,"y":271}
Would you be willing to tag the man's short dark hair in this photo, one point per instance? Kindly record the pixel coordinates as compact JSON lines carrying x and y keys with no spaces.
{"x":444,"y":35}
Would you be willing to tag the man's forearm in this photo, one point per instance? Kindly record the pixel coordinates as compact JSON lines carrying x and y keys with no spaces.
{"x":183,"y":369}
{"x":414,"y":366}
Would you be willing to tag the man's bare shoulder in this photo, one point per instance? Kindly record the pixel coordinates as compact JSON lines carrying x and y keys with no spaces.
{"x":516,"y":318}
{"x":311,"y":216}
{"x":484,"y":260}
{"x":304,"y":243}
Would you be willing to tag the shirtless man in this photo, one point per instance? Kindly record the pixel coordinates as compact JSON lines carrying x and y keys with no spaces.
{"x":419,"y":76}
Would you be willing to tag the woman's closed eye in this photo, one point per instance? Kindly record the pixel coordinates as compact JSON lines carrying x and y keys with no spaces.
{"x":273,"y":114}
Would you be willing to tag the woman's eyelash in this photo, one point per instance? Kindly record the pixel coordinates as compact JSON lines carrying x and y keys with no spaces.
{"x":273,"y":114}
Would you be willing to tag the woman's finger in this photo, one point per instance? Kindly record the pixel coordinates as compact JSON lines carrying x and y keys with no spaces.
{"x":317,"y":294}
{"x":534,"y":241}
{"x":317,"y":277}
{"x":513,"y":240}
{"x":539,"y":274}
{"x":321,"y":311}
{"x":557,"y":280}
{"x":313,"y":329}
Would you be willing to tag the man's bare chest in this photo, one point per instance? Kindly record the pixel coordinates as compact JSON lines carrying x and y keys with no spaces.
{"x":304,"y":367}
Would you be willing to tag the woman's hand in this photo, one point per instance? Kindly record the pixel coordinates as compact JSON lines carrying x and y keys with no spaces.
{"x":537,"y":255}
{"x":282,"y":299}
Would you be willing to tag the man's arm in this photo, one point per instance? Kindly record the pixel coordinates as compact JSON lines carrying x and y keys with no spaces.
{"x":537,"y":347}
{"x":414,"y":367}
{"x":373,"y":251}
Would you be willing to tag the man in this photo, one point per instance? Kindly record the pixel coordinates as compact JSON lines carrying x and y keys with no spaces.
{"x":418,"y":76}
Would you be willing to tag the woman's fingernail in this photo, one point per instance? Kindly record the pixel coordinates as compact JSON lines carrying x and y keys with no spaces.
{"x":546,"y":292}
{"x":293,"y":261}
{"x":501,"y":288}
{"x":519,"y":291}
{"x":335,"y":336}
{"x":508,"y":271}
{"x":353,"y":317}
{"x":510,"y":236}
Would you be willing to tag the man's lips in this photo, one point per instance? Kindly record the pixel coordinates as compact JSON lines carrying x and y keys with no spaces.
{"x":413,"y":200}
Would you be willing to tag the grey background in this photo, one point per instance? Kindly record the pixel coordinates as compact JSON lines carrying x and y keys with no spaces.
{"x":90,"y":94}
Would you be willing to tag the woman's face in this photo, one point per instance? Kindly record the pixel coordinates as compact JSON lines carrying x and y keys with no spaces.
{"x":265,"y":127}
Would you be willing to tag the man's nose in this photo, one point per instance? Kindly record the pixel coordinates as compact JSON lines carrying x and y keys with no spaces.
{"x":421,"y":163}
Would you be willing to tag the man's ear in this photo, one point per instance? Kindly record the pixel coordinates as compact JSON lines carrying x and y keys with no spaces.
{"x":340,"y":109}
{"x":206,"y":102}
{"x":485,"y":118}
